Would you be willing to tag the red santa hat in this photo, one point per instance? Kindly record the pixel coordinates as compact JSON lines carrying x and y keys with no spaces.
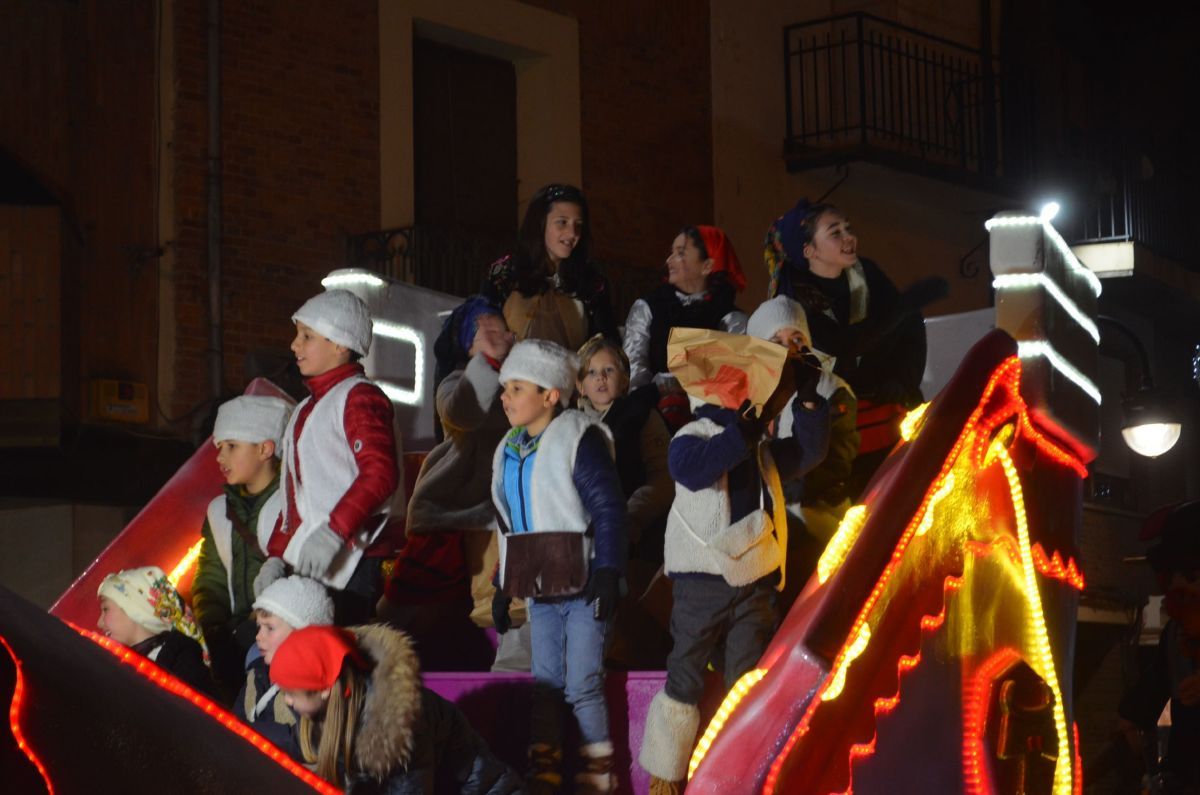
{"x":311,"y":658}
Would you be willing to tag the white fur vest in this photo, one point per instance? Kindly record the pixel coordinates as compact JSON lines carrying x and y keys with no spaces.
{"x":701,"y":539}
{"x":557,"y":507}
{"x":326,"y":469}
{"x":222,"y":529}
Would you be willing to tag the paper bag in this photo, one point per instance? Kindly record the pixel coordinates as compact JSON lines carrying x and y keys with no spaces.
{"x":725,"y":369}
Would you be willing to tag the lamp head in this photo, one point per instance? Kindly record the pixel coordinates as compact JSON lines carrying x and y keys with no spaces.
{"x":1151,"y":425}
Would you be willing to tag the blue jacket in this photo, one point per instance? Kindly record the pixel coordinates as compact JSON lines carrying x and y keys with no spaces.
{"x":698,"y":463}
{"x":594,"y":477}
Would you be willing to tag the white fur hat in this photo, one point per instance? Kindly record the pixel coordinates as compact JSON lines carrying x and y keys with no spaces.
{"x":779,"y":312}
{"x":252,"y":418}
{"x":339,"y":316}
{"x":544,"y":363}
{"x":297,"y":600}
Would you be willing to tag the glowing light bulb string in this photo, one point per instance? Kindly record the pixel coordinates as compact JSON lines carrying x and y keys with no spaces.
{"x":14,"y":717}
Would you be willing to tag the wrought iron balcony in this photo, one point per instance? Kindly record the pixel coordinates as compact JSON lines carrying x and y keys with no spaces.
{"x":862,"y":88}
{"x":1127,"y":195}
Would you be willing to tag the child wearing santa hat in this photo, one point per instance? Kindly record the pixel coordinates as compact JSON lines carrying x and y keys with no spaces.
{"x":562,"y":545}
{"x":366,"y":721}
{"x":286,"y":605}
{"x":236,"y":529}
{"x":141,"y":609}
{"x":341,"y":476}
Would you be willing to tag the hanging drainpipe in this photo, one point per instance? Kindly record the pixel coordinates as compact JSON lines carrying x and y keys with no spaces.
{"x":215,"y":352}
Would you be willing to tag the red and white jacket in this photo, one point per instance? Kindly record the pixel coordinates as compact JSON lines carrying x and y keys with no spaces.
{"x":341,"y":468}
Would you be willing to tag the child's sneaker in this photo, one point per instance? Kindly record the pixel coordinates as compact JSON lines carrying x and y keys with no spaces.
{"x":596,"y":777}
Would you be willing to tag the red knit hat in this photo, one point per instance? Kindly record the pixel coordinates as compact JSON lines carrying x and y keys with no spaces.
{"x":311,"y":658}
{"x":725,"y":259}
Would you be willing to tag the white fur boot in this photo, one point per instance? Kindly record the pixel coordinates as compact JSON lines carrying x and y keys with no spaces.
{"x":670,"y":736}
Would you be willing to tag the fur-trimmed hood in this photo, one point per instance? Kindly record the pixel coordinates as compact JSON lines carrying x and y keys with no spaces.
{"x":392,"y":707}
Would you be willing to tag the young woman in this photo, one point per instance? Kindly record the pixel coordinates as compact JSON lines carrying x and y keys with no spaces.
{"x":703,"y":278}
{"x":547,"y":289}
{"x":856,"y":314}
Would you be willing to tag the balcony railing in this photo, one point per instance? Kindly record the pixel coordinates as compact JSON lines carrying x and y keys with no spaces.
{"x":455,"y":262}
{"x":861,"y":87}
{"x":1127,"y":196}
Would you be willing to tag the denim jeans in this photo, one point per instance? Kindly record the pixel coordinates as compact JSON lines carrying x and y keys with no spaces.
{"x":568,"y":660}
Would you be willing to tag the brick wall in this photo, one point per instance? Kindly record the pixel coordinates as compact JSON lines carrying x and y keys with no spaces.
{"x":646,"y":107}
{"x":300,"y":147}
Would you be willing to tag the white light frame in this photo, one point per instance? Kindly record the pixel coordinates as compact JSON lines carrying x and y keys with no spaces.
{"x":396,"y":393}
{"x":1032,"y":349}
{"x":352,"y":277}
{"x":1021,"y":280}
{"x":1072,"y":261}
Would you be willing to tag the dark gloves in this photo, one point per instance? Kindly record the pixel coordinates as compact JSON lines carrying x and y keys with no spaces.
{"x":807,"y":369}
{"x":749,"y":426}
{"x":500,"y":617}
{"x":603,"y":588}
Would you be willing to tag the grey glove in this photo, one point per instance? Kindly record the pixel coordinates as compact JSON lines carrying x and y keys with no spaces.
{"x":318,"y":551}
{"x":272,"y":569}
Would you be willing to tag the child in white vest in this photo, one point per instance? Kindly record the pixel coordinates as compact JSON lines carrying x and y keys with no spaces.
{"x":236,"y":529}
{"x":342,"y":484}
{"x":562,"y":547}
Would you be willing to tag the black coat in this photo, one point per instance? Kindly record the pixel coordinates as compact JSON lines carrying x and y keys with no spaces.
{"x":182,"y":658}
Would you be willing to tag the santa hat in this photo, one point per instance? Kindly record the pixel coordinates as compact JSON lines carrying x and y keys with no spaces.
{"x":725,"y":259}
{"x":778,"y":313}
{"x":339,"y":316}
{"x":541,"y":362}
{"x":252,"y":418}
{"x":312,"y":658}
{"x":299,"y":601}
{"x":151,"y":601}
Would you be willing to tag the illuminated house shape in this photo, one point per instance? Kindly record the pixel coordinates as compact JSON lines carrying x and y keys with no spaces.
{"x":932,"y":650}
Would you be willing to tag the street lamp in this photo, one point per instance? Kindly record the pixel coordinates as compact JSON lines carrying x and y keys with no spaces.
{"x":1151,"y":426}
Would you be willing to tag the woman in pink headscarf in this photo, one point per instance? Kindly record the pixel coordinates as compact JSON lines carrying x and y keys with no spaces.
{"x":703,"y":278}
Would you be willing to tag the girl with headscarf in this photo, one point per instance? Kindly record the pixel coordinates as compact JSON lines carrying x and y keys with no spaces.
{"x":141,"y":609}
{"x":703,"y":279}
{"x":857,"y":315}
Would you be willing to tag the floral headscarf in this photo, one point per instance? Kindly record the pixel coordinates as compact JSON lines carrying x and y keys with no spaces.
{"x":149,"y":599}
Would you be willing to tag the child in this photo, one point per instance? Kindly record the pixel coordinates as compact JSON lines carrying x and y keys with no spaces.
{"x":725,"y":552}
{"x":562,"y":547}
{"x":450,"y":515}
{"x":366,"y":723}
{"x":817,"y":502}
{"x":141,"y":609}
{"x":285,"y":606}
{"x":548,"y":289}
{"x":640,"y":437}
{"x":341,"y":474}
{"x":236,"y":529}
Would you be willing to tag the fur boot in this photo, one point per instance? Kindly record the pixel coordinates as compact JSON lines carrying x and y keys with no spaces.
{"x":544,"y":776}
{"x":596,"y":776}
{"x":670,"y":736}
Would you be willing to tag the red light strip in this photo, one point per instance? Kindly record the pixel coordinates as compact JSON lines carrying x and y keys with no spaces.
{"x":230,"y":721}
{"x":977,"y":432}
{"x":14,"y":717}
{"x":1078,"y":760}
{"x":975,"y":703}
{"x":1053,"y":567}
{"x":906,"y":663}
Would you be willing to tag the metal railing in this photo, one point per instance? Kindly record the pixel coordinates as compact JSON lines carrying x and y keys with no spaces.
{"x":455,"y":262}
{"x":1126,"y":196}
{"x":858,"y":82}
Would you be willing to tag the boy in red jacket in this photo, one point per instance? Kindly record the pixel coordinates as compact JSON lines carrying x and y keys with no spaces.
{"x":340,"y":472}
